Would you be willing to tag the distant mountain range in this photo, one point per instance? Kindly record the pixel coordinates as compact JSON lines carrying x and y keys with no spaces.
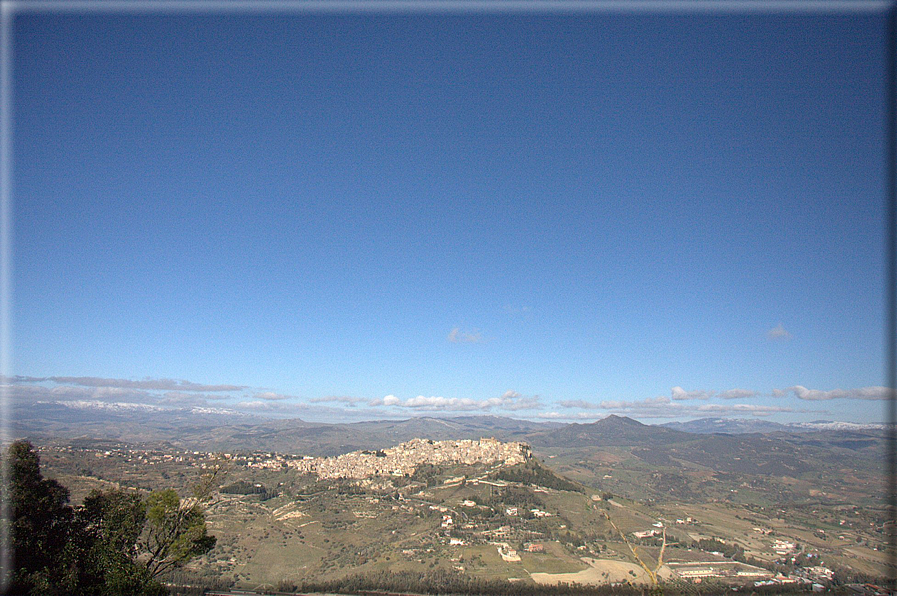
{"x":694,"y":460}
{"x":220,"y":428}
{"x":613,"y":431}
{"x":735,"y":426}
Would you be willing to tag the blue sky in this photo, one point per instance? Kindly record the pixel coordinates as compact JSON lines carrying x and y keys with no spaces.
{"x":539,"y":216}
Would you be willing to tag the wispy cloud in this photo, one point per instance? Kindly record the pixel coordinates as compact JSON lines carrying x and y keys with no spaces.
{"x":648,"y":403}
{"x":651,"y":402}
{"x":871,"y":393}
{"x":169,"y":393}
{"x":738,"y":394}
{"x":566,"y":416}
{"x":147,"y":383}
{"x":676,"y":394}
{"x":665,"y":407}
{"x":263,"y":405}
{"x":778,"y":333}
{"x":154,"y":392}
{"x":509,"y":400}
{"x":753,"y":409}
{"x":680,"y":394}
{"x":271,"y":396}
{"x":578,"y":403}
{"x":532,"y":402}
{"x":183,"y":398}
{"x":551,"y":415}
{"x":338,"y":399}
{"x":456,"y":335}
{"x":31,"y":393}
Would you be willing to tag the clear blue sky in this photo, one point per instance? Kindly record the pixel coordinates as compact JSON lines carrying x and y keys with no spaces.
{"x":534,"y":216}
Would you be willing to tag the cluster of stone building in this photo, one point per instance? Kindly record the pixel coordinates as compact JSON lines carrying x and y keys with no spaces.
{"x":405,"y":458}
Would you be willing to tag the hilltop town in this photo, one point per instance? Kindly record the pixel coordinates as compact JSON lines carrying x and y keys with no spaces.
{"x":405,"y":458}
{"x":487,"y":509}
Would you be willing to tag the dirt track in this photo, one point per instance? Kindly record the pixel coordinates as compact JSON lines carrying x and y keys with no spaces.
{"x":600,"y":571}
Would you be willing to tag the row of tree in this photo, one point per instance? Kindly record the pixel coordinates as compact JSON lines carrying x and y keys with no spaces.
{"x":441,"y":581}
{"x":242,"y":487}
{"x":533,"y":473}
{"x":118,"y":542}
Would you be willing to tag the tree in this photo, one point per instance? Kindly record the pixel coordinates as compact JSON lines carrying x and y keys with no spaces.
{"x":117,"y":543}
{"x":41,"y":522}
{"x":127,"y":543}
{"x":176,"y":532}
{"x":105,"y":545}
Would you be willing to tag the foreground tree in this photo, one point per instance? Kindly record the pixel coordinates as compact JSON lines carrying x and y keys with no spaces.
{"x":41,"y":522}
{"x":117,"y":543}
{"x":104,"y":545}
{"x":176,"y":532}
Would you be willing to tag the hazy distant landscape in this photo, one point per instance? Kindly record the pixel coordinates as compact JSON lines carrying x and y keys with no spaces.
{"x":592,"y":504}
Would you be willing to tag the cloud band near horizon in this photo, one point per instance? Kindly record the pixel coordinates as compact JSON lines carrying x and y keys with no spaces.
{"x":175,"y":393}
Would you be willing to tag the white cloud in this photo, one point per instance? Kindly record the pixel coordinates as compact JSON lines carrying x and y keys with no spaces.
{"x":110,"y":394}
{"x":613,"y":404}
{"x":655,"y":401}
{"x":111,"y":406}
{"x":28,"y":393}
{"x":648,"y":403}
{"x":434,"y":402}
{"x":338,"y":399}
{"x":524,"y":403}
{"x":554,"y":416}
{"x":512,"y":400}
{"x":263,"y":405}
{"x":778,"y":333}
{"x":754,"y":409}
{"x":737,"y":394}
{"x":665,"y":407}
{"x":271,"y":396}
{"x":389,"y":400}
{"x":568,"y":416}
{"x":579,"y":403}
{"x":181,"y":398}
{"x":255,"y":405}
{"x":113,"y":394}
{"x":679,"y":394}
{"x":458,"y":336}
{"x":651,"y":402}
{"x":147,"y":383}
{"x":509,"y":400}
{"x":147,"y":391}
{"x":871,"y":393}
